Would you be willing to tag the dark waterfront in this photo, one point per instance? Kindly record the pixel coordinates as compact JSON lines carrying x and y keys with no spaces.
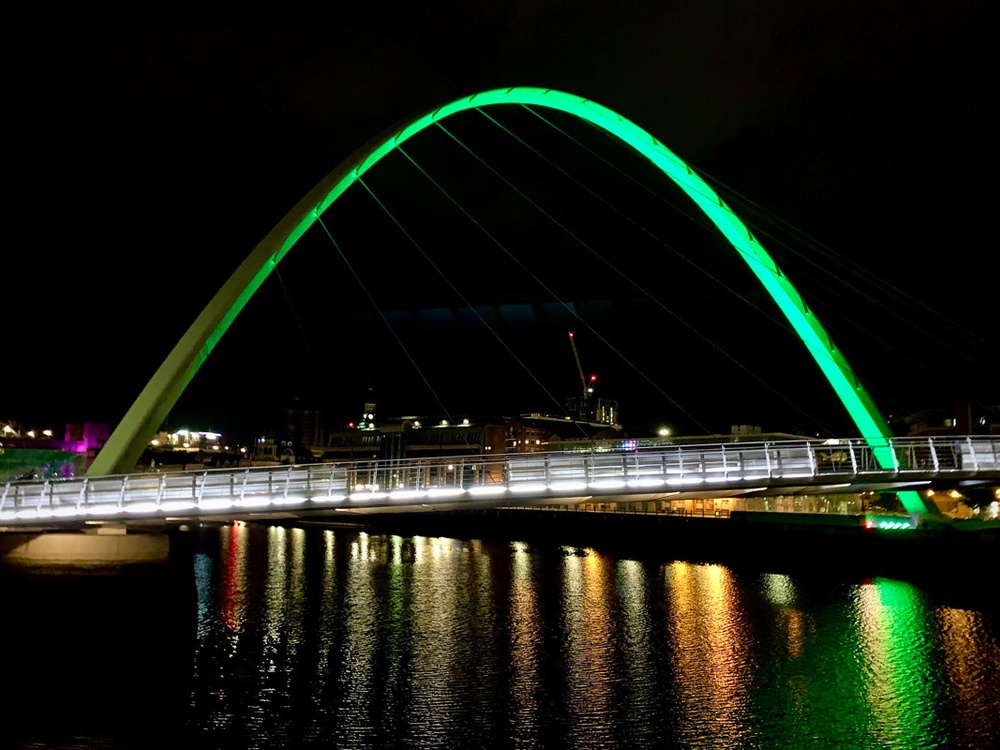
{"x":275,"y":637}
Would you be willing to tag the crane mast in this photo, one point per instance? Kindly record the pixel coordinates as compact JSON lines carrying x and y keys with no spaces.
{"x":579,"y":367}
{"x":588,"y":407}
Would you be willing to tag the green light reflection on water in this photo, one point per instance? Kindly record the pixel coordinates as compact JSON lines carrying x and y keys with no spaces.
{"x":856,"y":673}
{"x":897,"y":641}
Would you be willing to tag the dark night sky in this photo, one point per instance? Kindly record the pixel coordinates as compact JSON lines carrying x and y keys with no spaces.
{"x":148,"y":152}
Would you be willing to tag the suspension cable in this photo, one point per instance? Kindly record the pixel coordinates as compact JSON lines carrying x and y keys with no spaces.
{"x":551,"y":292}
{"x":644,"y":291}
{"x":305,"y":338}
{"x":979,"y":344}
{"x":382,"y":316}
{"x":453,"y":287}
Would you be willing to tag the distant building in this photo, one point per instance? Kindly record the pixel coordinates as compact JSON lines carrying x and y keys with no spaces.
{"x":414,"y":437}
{"x":410,"y":437}
{"x":31,"y":453}
{"x":268,"y":451}
{"x":86,"y":437}
{"x":739,"y":436}
{"x":538,"y":432}
{"x":189,"y":441}
{"x":187,"y":449}
{"x":302,"y":426}
{"x":962,"y":419}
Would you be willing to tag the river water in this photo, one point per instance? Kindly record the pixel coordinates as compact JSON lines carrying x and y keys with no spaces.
{"x":274,"y":637}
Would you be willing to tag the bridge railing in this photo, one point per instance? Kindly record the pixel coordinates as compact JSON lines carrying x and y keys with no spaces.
{"x":540,"y":474}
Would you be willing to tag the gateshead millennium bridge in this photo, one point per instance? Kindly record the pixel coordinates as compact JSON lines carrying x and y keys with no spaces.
{"x":658,"y":477}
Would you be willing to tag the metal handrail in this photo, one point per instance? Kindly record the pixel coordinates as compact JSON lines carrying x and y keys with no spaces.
{"x":550,"y":474}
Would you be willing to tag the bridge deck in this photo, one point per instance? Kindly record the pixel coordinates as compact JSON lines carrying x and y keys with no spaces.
{"x":477,"y":481}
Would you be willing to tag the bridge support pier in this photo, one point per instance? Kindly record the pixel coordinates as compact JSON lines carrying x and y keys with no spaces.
{"x":104,"y":546}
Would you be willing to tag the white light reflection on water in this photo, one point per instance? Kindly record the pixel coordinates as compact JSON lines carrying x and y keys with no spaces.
{"x":204,"y":584}
{"x":640,"y":724}
{"x":780,"y":591}
{"x":525,"y":642}
{"x":358,"y":640}
{"x":588,"y":648}
{"x":453,"y":664}
{"x":326,"y":657}
{"x":397,"y":637}
{"x":437,"y":642}
{"x":272,"y":706}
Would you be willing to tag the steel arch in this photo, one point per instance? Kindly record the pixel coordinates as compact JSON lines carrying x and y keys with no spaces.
{"x":140,"y":423}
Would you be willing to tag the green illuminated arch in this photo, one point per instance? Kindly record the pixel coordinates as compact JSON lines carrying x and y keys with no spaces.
{"x":131,"y":436}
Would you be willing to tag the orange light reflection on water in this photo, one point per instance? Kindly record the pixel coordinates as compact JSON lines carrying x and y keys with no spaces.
{"x":780,"y":591}
{"x":711,"y":653}
{"x":972,"y":664}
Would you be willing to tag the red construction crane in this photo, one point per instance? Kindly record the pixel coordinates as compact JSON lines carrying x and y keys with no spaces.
{"x":587,"y":386}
